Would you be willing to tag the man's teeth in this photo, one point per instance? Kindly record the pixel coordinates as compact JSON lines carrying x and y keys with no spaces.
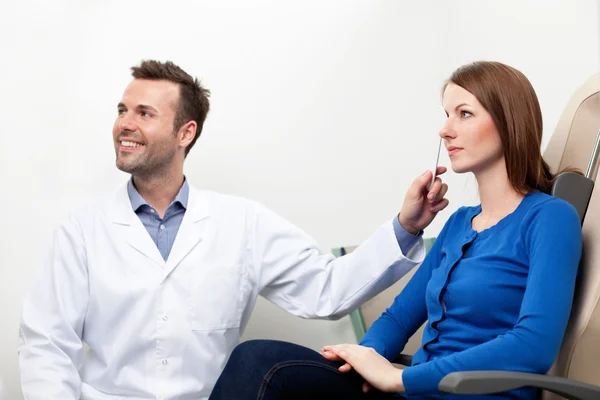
{"x":125,"y":143}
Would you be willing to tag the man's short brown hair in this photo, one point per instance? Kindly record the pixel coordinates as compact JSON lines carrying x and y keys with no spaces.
{"x":193,"y":98}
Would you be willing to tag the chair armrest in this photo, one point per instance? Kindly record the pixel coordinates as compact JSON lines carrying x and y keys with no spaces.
{"x":403,"y":359}
{"x":487,"y":382}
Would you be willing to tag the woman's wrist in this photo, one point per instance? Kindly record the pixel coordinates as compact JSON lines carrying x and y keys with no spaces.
{"x":399,"y":388}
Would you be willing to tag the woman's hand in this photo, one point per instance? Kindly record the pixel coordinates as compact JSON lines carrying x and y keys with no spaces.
{"x":375,"y":369}
{"x":331,"y":356}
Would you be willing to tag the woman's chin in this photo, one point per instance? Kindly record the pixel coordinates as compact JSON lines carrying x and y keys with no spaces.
{"x":459,"y":169}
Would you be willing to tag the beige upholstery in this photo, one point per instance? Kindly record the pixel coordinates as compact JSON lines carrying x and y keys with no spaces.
{"x":373,"y":308}
{"x":571,"y":145}
{"x":573,"y":139}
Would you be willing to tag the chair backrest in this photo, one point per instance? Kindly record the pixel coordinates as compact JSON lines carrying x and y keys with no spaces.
{"x":571,"y":146}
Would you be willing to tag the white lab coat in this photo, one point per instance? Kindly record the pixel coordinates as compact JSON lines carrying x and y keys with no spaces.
{"x":164,"y":330}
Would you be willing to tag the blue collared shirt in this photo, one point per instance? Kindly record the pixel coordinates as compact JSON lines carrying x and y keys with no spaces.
{"x":162,"y":231}
{"x":405,"y":240}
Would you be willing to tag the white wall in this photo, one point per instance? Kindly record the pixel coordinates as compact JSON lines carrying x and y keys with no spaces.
{"x":323,"y":110}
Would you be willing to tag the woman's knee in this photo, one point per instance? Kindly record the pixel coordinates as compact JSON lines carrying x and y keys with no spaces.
{"x":261,"y":354}
{"x":255,"y":353}
{"x":248,"y":351}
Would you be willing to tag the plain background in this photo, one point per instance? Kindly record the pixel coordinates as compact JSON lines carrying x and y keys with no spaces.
{"x":323,"y":110}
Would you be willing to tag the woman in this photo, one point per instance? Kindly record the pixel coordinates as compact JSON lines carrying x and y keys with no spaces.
{"x":496,"y":288}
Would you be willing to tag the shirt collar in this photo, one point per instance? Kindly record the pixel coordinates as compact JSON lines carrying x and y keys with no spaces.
{"x":138,"y":201}
{"x":183,"y":195}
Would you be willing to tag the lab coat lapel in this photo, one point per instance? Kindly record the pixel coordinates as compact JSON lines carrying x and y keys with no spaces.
{"x":193,"y":229}
{"x":135,"y":233}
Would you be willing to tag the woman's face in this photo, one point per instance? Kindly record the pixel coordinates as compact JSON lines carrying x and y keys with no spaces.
{"x":469,"y":134}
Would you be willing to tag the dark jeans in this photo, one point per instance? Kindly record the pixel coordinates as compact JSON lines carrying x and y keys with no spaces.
{"x":270,"y":370}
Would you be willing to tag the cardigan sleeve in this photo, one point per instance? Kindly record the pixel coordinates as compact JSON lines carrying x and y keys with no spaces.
{"x":390,"y":332}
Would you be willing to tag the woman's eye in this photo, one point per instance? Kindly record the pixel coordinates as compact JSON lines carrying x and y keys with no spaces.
{"x":465,"y":114}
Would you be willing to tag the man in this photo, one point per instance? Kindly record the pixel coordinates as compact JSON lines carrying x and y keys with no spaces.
{"x":160,"y":280}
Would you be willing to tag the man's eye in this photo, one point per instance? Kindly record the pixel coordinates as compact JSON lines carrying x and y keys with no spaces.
{"x":121,"y":112}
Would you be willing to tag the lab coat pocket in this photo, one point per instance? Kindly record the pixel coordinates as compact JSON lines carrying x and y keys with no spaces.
{"x":216,"y":300}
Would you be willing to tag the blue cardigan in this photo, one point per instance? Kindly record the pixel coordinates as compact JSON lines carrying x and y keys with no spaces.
{"x":494,"y":300}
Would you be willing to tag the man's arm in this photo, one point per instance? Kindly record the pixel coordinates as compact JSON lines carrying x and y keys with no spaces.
{"x":51,"y":349}
{"x":294,"y":274}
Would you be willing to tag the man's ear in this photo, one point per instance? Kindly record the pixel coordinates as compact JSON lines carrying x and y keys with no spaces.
{"x":188,"y":133}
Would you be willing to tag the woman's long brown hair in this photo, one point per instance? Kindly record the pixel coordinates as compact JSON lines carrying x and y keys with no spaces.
{"x":511,"y":101}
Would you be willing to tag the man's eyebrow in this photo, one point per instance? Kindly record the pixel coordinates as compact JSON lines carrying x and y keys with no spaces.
{"x":145,"y":107}
{"x":140,"y":107}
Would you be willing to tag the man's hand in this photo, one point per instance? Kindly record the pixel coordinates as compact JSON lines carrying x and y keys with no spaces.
{"x":421,"y":206}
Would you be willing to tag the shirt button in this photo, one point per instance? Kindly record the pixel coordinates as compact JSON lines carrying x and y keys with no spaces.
{"x":164,"y":361}
{"x":162,"y":227}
